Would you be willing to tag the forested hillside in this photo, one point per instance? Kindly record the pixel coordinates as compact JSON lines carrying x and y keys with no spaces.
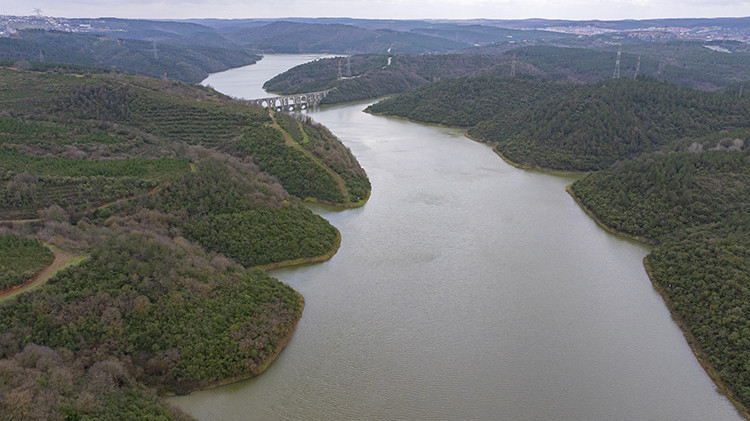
{"x":163,"y":32}
{"x":163,"y":188}
{"x":596,"y":125}
{"x":695,"y":207}
{"x":467,"y":101}
{"x":689,"y":64}
{"x":372,"y":76}
{"x":590,"y":59}
{"x":189,"y":63}
{"x":713,"y":65}
{"x":296,"y":37}
{"x":571,"y":126}
{"x":129,"y":109}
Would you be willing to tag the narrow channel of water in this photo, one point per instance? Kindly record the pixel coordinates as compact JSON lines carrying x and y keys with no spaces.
{"x":247,"y":82}
{"x":468,"y":289}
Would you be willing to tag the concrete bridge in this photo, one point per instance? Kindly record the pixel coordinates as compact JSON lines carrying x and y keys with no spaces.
{"x":291,"y":102}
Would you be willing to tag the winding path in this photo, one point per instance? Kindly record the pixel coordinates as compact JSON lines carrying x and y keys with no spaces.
{"x":151,"y":192}
{"x":290,"y":142}
{"x":62,"y":259}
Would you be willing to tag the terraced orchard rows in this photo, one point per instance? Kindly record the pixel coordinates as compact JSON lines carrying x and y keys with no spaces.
{"x":176,"y":194}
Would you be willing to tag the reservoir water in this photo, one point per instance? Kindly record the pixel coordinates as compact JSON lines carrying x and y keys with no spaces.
{"x":466,"y":289}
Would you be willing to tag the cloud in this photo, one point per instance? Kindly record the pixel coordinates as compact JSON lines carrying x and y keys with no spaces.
{"x":384,"y":9}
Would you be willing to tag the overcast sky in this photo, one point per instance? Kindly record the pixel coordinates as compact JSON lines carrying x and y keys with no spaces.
{"x":381,"y":9}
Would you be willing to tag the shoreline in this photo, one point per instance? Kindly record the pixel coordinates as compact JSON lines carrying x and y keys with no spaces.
{"x":491,"y":144}
{"x":700,"y":356}
{"x":341,"y":206}
{"x":284,"y":340}
{"x":411,"y":120}
{"x":697,"y":351}
{"x":506,"y":159}
{"x":528,"y":167}
{"x":606,"y":227}
{"x":302,"y":260}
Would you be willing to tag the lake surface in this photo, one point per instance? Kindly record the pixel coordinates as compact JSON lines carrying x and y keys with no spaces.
{"x":247,"y":82}
{"x":467,"y":289}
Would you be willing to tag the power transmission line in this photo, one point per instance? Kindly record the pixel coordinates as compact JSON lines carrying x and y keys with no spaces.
{"x":637,"y":67}
{"x":616,"y":73}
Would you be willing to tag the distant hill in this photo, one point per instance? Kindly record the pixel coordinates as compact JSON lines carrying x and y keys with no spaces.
{"x":625,"y":24}
{"x":225,"y":25}
{"x":291,"y":37}
{"x":372,"y":76}
{"x":166,"y":32}
{"x":181,"y":62}
{"x":302,"y":35}
{"x":705,"y":65}
{"x":685,"y":63}
{"x":517,"y":24}
{"x":678,"y":56}
{"x":482,"y":35}
{"x":377,"y":75}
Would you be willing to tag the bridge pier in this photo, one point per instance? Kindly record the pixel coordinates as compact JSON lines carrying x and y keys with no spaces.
{"x":291,"y":102}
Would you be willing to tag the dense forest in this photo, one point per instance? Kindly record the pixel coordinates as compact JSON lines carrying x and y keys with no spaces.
{"x":370,"y":76}
{"x":468,"y":101}
{"x":578,"y":127}
{"x":171,"y":195}
{"x":189,"y":63}
{"x":685,"y":63}
{"x":41,"y":383}
{"x":595,"y":125}
{"x":695,"y":207}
